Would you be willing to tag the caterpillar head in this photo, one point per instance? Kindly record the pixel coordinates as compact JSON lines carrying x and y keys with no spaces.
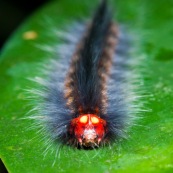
{"x":88,"y":129}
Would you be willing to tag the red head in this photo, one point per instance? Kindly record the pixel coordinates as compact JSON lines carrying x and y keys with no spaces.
{"x":88,"y":129}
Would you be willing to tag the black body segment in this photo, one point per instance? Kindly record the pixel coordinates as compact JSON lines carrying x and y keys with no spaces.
{"x":86,"y":78}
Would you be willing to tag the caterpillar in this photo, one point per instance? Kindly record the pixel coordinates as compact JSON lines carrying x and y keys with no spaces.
{"x":88,"y":99}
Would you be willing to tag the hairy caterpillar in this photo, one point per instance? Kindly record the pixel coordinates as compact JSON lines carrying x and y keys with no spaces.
{"x":88,"y":100}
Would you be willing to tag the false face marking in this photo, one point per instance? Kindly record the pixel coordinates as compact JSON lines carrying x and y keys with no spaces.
{"x":88,"y":129}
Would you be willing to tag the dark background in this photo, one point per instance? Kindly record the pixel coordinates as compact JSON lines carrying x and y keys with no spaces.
{"x":13,"y":13}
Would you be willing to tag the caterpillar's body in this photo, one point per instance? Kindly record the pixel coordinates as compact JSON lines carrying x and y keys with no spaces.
{"x":88,"y":99}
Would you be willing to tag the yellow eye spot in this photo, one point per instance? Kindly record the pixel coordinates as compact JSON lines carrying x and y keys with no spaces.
{"x":94,"y":120}
{"x":83,"y":119}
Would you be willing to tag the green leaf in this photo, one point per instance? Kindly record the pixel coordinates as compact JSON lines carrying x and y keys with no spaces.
{"x":149,"y":147}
